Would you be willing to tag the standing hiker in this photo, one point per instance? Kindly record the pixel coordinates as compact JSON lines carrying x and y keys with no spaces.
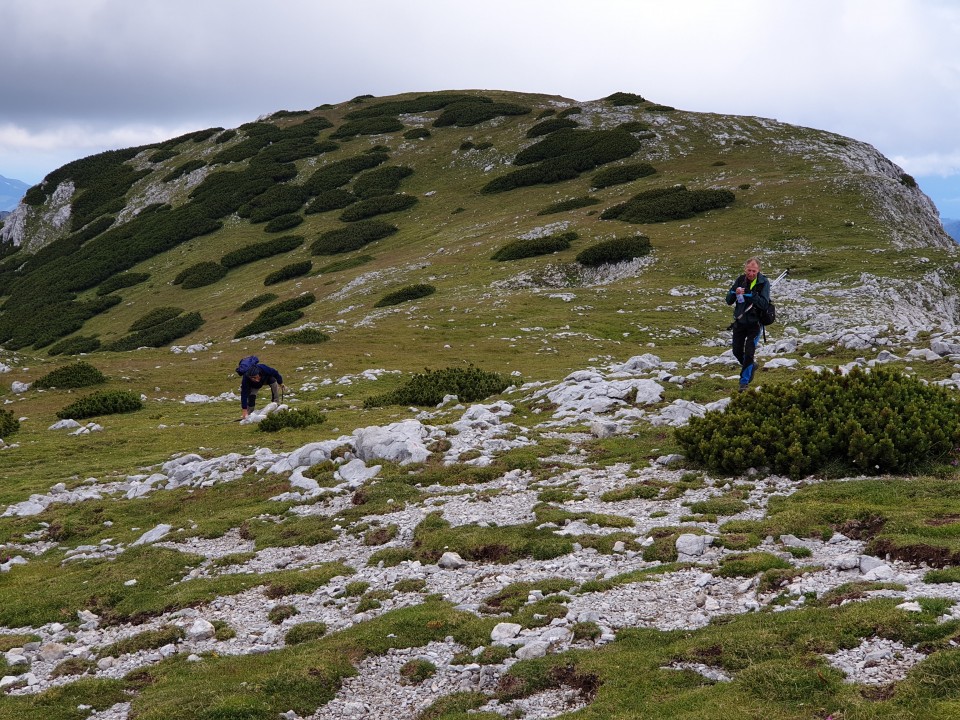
{"x":254,"y":376}
{"x":749,"y":295}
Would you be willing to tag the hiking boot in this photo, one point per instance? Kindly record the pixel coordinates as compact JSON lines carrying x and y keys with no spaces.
{"x":743,"y":386}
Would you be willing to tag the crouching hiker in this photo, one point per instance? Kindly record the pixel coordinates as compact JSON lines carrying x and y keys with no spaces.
{"x":749,"y":295}
{"x":255,"y":377}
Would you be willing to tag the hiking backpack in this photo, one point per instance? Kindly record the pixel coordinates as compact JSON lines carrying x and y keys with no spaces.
{"x":768,"y":316}
{"x":247,"y":363}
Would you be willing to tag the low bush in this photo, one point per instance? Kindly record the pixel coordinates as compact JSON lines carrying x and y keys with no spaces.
{"x":379,"y":205}
{"x":257,"y":301}
{"x":154,"y":317}
{"x":120,"y":281}
{"x":75,"y":345}
{"x":199,"y":275}
{"x":659,"y":108}
{"x":621,"y":174}
{"x":410,"y":292}
{"x":283,"y":222}
{"x":473,"y":112}
{"x":352,"y":237}
{"x":346,"y":264}
{"x":663,"y":205}
{"x":615,"y":251}
{"x":533,"y":247}
{"x":158,"y":335}
{"x":307,"y":336}
{"x":873,"y":422}
{"x":293,"y":418}
{"x":552,"y":125}
{"x":381,"y":181}
{"x":375,"y":125}
{"x":421,"y":104}
{"x":77,"y":375}
{"x":634,"y":126}
{"x":335,"y":199}
{"x":339,"y":173}
{"x":288,"y":272}
{"x":304,"y":632}
{"x":416,"y":134}
{"x":278,"y":200}
{"x":569,"y":111}
{"x":469,"y":384}
{"x":9,"y":424}
{"x":102,"y":402}
{"x":571,"y":204}
{"x":277,"y":315}
{"x":261,"y":250}
{"x":619,"y":99}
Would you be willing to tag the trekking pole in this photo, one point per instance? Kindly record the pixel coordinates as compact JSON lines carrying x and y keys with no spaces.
{"x":773,"y":282}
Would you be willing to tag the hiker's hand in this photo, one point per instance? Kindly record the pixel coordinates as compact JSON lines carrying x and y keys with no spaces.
{"x":739,"y":291}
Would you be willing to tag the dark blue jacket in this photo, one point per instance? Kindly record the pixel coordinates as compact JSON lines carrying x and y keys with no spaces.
{"x":268,"y":376}
{"x":754,"y":299}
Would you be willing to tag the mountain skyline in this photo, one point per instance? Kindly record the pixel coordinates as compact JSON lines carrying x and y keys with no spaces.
{"x":11,"y":192}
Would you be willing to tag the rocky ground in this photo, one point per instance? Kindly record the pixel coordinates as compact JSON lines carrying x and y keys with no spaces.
{"x":596,"y":398}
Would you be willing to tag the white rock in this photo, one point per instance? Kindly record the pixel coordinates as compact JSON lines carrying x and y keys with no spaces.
{"x":505,"y":631}
{"x":152,"y":536}
{"x":451,"y":561}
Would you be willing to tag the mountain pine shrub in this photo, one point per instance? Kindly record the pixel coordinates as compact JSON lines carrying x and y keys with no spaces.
{"x":293,"y":418}
{"x":335,"y":199}
{"x":158,"y":335}
{"x":339,"y":173}
{"x":274,"y":202}
{"x":410,"y":292}
{"x":619,"y":99}
{"x":424,"y":103}
{"x":473,"y":112}
{"x":261,"y":250}
{"x":75,"y":345}
{"x":874,"y":422}
{"x":201,"y":274}
{"x":379,"y":205}
{"x":352,"y":237}
{"x":381,"y":181}
{"x":620,"y":174}
{"x":155,"y":317}
{"x":469,"y":384}
{"x":8,"y":423}
{"x":102,"y":402}
{"x":569,"y":111}
{"x":283,"y":222}
{"x":416,"y":134}
{"x":257,"y":301}
{"x":375,"y":125}
{"x":346,"y":264}
{"x":120,"y":281}
{"x":532,"y":247}
{"x":616,"y":250}
{"x":288,"y":272}
{"x":665,"y":204}
{"x":552,"y":125}
{"x":571,"y":204}
{"x":277,"y":315}
{"x":634,"y":126}
{"x":76,"y":375}
{"x":306,"y":336}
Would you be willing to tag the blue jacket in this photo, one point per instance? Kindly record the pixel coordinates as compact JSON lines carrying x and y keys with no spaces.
{"x":754,"y":299}
{"x":268,"y":376}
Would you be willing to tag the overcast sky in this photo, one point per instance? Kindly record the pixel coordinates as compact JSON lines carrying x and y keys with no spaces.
{"x":81,"y":76}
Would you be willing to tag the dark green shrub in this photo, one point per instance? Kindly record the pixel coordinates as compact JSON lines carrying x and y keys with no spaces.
{"x":352,"y":237}
{"x":533,"y":247}
{"x":469,"y":384}
{"x":416,"y":134}
{"x":615,"y":251}
{"x":335,"y":199}
{"x":347,"y":264}
{"x":474,"y":111}
{"x":293,"y":418}
{"x":276,"y":201}
{"x":287,"y":272}
{"x":201,"y":274}
{"x":307,"y":336}
{"x":571,"y":204}
{"x":621,"y":174}
{"x":618,"y":99}
{"x":379,"y":205}
{"x":908,"y":180}
{"x":225,"y":136}
{"x":410,"y":292}
{"x":339,"y":173}
{"x":569,"y":111}
{"x":77,"y":375}
{"x":257,"y":301}
{"x":875,"y":422}
{"x":284,"y":222}
{"x":382,"y":181}
{"x":75,"y":346}
{"x":102,"y":402}
{"x":563,"y":155}
{"x":120,"y":281}
{"x":634,"y":126}
{"x":367,"y":126}
{"x":8,"y":423}
{"x":184,"y":169}
{"x":50,"y":321}
{"x":277,"y":315}
{"x":548,"y":126}
{"x":468,"y":145}
{"x":550,"y":112}
{"x":304,"y":632}
{"x":663,"y":205}
{"x":261,"y":250}
{"x":154,"y":317}
{"x":659,"y":108}
{"x":424,"y":103}
{"x":158,"y":335}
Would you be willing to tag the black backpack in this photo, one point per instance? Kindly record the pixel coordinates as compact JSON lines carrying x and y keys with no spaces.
{"x":247,"y":363}
{"x":768,"y":316}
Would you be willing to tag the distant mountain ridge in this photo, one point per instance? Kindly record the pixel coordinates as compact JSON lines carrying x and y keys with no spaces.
{"x":952,"y":228}
{"x":11,"y":192}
